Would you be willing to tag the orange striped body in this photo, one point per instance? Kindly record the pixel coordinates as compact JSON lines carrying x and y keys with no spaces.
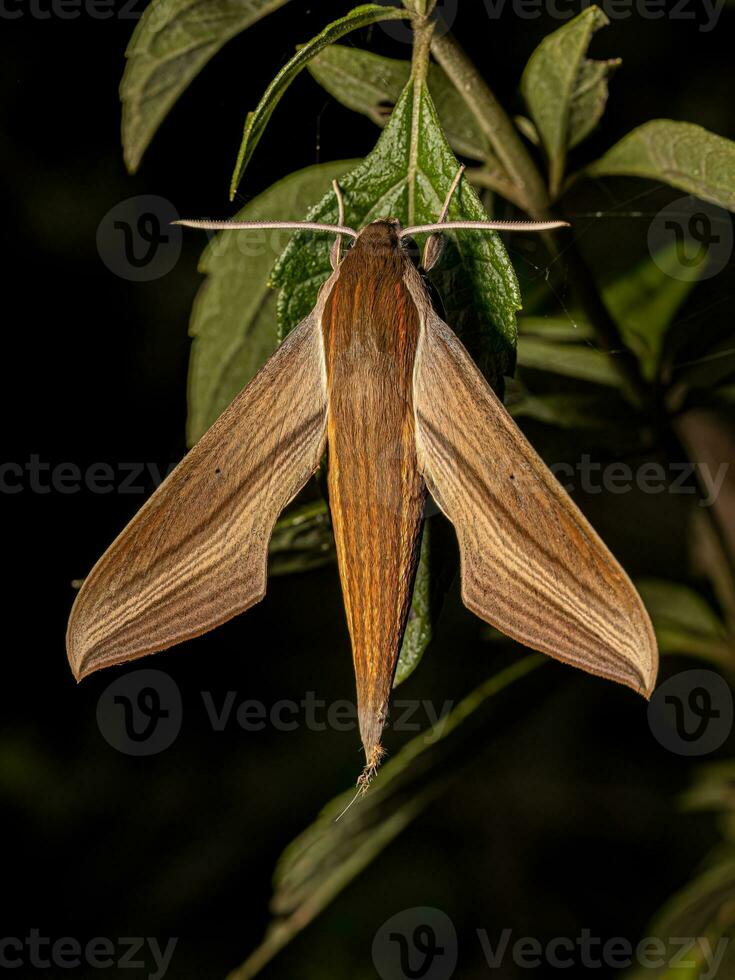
{"x":376,"y":493}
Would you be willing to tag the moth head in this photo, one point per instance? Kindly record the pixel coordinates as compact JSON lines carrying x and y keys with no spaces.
{"x":379,"y":238}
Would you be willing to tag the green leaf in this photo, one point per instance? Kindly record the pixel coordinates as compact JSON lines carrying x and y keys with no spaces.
{"x":589,"y":98}
{"x":170,"y":45}
{"x":704,"y":911}
{"x":644,"y":303}
{"x":407,"y":176}
{"x":438,"y":563}
{"x":362,"y":16}
{"x":331,"y":853}
{"x":683,"y":155}
{"x":371,"y":84}
{"x":683,"y":621}
{"x":570,"y":360}
{"x":726,"y":395}
{"x":233,"y":321}
{"x":565,"y":93}
{"x":302,"y":539}
{"x":712,"y":789}
{"x":557,"y":328}
{"x":527,"y":128}
{"x":564,"y":410}
{"x":419,"y":628}
{"x":715,"y":365}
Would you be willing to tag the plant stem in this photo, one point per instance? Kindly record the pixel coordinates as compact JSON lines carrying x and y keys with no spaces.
{"x":423,"y":29}
{"x":530,"y":192}
{"x":493,"y":178}
{"x":421,"y":7}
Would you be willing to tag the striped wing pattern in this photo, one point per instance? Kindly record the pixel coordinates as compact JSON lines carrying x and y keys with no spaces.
{"x":196,"y":553}
{"x":531,"y":564}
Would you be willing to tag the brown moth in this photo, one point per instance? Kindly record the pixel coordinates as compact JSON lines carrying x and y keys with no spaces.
{"x":374,"y":377}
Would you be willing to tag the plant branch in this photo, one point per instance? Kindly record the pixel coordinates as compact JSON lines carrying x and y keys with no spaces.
{"x":530,"y":192}
{"x":423,"y":29}
{"x":420,"y":7}
{"x":494,"y":178}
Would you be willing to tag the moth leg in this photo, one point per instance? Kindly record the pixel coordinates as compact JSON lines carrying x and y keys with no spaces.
{"x":435,"y":243}
{"x":336,"y":252}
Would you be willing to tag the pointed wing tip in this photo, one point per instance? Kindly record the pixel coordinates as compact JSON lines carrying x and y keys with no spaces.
{"x":80,"y":670}
{"x":649,"y":674}
{"x":650,"y":681}
{"x":77,"y":648}
{"x":76,"y":661}
{"x":644,"y":685}
{"x":644,"y":668}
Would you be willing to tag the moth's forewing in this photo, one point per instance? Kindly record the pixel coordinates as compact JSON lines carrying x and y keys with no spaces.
{"x":376,"y":492}
{"x":531,"y":564}
{"x":196,"y":553}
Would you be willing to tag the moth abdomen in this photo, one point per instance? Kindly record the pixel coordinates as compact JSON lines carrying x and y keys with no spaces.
{"x":370,"y":327}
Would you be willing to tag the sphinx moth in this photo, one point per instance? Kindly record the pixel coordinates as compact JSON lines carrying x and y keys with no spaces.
{"x":376,"y":379}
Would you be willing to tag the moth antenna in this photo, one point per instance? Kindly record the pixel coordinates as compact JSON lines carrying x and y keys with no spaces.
{"x":450,"y":194}
{"x":336,"y":251}
{"x":340,"y":202}
{"x":484,"y":226}
{"x":208,"y":225}
{"x":435,"y":244}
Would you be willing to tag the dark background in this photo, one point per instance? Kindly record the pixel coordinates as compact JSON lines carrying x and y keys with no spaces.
{"x":568,"y":821}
